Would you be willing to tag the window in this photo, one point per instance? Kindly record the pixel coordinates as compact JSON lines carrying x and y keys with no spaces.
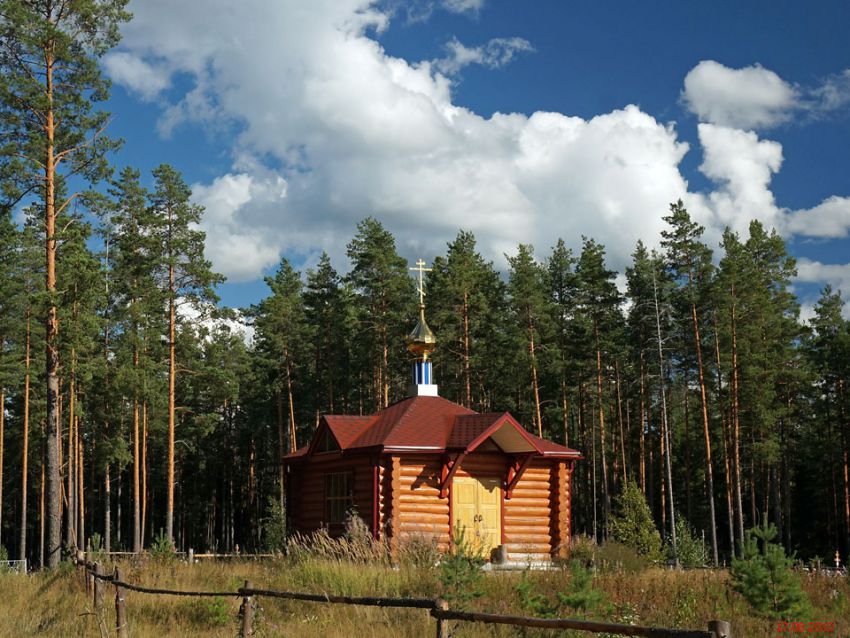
{"x":328,"y":443}
{"x":339,"y":496}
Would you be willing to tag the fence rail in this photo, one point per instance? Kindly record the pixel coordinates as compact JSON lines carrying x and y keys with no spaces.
{"x":437,"y":608}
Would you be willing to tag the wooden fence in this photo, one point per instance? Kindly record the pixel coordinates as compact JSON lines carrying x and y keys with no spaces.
{"x":97,"y":581}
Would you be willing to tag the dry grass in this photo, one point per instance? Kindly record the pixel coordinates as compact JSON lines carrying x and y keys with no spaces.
{"x":56,"y":604}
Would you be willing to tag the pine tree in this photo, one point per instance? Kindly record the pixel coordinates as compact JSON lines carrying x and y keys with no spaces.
{"x":599,"y":302}
{"x":764,"y":577}
{"x":185,"y":277}
{"x":385,"y":305}
{"x":689,"y":261}
{"x":282,"y":336}
{"x":631,"y":523}
{"x":530,"y":318}
{"x":49,"y":79}
{"x":464,"y":296}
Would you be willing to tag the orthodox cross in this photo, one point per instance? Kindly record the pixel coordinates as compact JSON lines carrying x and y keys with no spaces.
{"x":420,"y":268}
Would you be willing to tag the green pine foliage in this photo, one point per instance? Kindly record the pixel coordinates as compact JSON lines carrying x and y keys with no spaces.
{"x":632,"y":524}
{"x":460,"y":571}
{"x":581,"y":597}
{"x":763,"y":576}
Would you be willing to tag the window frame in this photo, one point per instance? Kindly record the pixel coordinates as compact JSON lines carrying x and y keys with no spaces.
{"x":339,"y":496}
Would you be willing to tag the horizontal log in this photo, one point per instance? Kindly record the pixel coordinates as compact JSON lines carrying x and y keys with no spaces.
{"x":520,"y":501}
{"x":429,"y":519}
{"x":428,"y":530}
{"x":421,"y":496}
{"x":531,"y":538}
{"x":568,"y":623}
{"x":436,"y":508}
{"x":513,"y":529}
{"x":439,"y":537}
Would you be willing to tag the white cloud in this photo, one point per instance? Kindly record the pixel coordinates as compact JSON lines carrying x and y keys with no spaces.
{"x":495,"y":54}
{"x":238,"y":243}
{"x":352,"y":131}
{"x":139,"y":76}
{"x":838,"y":275}
{"x":833,"y":94}
{"x":462,"y":6}
{"x":741,"y":165}
{"x":751,"y":97}
{"x":830,"y":218}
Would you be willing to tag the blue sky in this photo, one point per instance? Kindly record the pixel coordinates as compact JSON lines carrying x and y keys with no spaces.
{"x":521,"y":121}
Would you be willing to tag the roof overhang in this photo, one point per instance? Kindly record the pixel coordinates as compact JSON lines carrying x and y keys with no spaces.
{"x":509,"y":435}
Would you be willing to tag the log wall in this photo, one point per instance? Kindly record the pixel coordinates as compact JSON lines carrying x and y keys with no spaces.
{"x":528,"y":514}
{"x":418,"y":513}
{"x":307,"y":490}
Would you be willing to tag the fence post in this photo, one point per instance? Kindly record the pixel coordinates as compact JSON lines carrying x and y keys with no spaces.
{"x":191,"y":556}
{"x":442,"y":624}
{"x":246,"y":610}
{"x":97,"y":586}
{"x":120,"y":607}
{"x":721,"y":628}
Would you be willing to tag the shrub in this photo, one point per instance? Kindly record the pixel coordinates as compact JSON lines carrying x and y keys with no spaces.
{"x":632,"y":524}
{"x":274,"y":526}
{"x":583,"y":550}
{"x":532,"y":602}
{"x":580,"y":595}
{"x":692,"y":549}
{"x":763,"y":576}
{"x":460,"y":570}
{"x":162,"y":549}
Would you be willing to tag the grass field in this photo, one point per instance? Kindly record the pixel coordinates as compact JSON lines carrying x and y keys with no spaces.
{"x":57,"y":605}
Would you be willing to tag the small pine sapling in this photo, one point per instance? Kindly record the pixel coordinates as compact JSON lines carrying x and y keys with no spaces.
{"x":536,"y":604}
{"x":763,"y":576}
{"x":580,"y":595}
{"x":460,"y":570}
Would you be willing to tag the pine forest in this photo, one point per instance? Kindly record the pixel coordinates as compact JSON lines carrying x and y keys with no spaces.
{"x":136,"y":409}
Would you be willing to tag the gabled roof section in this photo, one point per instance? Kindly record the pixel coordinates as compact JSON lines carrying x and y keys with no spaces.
{"x":431,"y":424}
{"x":417,"y":422}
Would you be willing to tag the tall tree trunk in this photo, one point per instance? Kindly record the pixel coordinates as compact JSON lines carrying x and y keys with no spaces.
{"x":665,"y":424}
{"x":71,"y":455}
{"x":281,"y":448}
{"x":2,"y":440}
{"x":54,"y":479}
{"x":709,"y":471}
{"x":144,"y":467}
{"x":41,"y":509}
{"x":620,"y":420}
{"x":25,"y":435}
{"x":81,"y":502}
{"x":172,"y":377}
{"x":467,"y":375}
{"x":724,"y":423}
{"x":606,"y":498}
{"x":736,"y":428}
{"x":534,"y":385}
{"x":293,"y":441}
{"x":137,"y":509}
{"x":644,"y":427}
{"x":565,"y":407}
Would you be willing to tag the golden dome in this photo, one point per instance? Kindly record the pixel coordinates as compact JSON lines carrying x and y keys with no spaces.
{"x":421,"y":341}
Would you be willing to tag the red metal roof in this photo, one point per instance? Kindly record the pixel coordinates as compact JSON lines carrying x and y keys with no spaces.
{"x":429,"y":424}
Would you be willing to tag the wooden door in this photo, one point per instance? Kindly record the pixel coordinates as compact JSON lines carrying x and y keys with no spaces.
{"x":477,"y":508}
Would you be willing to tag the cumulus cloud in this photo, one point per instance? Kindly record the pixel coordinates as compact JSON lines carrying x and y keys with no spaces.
{"x":829,"y":219}
{"x":332,"y":128}
{"x":139,"y":76}
{"x":742,"y":166}
{"x":838,"y":275}
{"x":751,"y":97}
{"x":495,"y":54}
